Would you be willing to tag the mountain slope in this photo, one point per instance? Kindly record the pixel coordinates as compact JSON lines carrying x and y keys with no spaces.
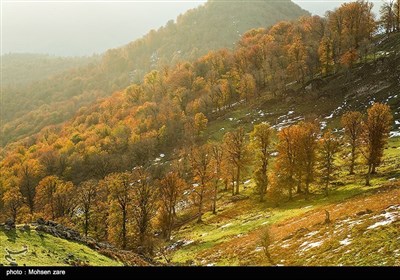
{"x":363,"y":230}
{"x":46,"y":250}
{"x":22,"y":69}
{"x":26,"y":110}
{"x":155,"y":123}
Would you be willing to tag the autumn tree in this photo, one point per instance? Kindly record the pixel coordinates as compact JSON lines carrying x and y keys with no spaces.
{"x":388,"y":16}
{"x":65,"y":200}
{"x":200,"y":123}
{"x":287,"y":157}
{"x":29,"y":173}
{"x":171,"y":187}
{"x":349,"y":58}
{"x":266,"y":241}
{"x":2,"y":191}
{"x":143,"y":208}
{"x":217,"y":161}
{"x":375,"y":136}
{"x":200,"y":161}
{"x":261,"y":141}
{"x":307,"y":153}
{"x":237,"y":153}
{"x":86,"y":197}
{"x":297,"y":56}
{"x":44,"y":199}
{"x":48,"y":158}
{"x":348,"y":26}
{"x":397,"y":15}
{"x":276,"y":187}
{"x":247,"y":87}
{"x":328,"y":148}
{"x":325,"y":52}
{"x":13,"y":202}
{"x":101,"y":210}
{"x":352,"y":123}
{"x":120,"y":197}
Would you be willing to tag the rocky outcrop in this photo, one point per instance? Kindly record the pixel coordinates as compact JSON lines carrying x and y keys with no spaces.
{"x":9,"y":224}
{"x":129,"y":258}
{"x":58,"y":230}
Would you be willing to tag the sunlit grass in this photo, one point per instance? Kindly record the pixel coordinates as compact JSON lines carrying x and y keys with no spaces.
{"x":244,"y":217}
{"x":47,"y":250}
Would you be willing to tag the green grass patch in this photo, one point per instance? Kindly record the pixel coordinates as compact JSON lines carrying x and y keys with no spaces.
{"x":47,"y":250}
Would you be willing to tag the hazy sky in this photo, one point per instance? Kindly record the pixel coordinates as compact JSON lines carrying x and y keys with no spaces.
{"x":319,"y":7}
{"x":85,"y":27}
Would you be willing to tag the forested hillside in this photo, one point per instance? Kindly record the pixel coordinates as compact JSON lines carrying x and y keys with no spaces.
{"x":19,"y":70}
{"x":27,"y":109}
{"x":300,"y":116}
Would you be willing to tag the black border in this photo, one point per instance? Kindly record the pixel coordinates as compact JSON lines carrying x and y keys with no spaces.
{"x":187,"y":272}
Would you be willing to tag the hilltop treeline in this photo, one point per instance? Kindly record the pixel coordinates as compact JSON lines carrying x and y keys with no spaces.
{"x":52,"y":101}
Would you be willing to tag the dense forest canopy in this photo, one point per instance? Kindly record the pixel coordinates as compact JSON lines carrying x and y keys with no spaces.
{"x":28,"y":109}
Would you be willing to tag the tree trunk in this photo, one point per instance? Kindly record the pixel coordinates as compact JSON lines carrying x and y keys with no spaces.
{"x":328,"y":179}
{"x":262,"y":193}
{"x":326,"y":188}
{"x":124,"y":228}
{"x":327,"y":218}
{"x":373,"y":171}
{"x":353,"y":159}
{"x":298,"y":186}
{"x":264,"y":187}
{"x":367,"y":181}
{"x":214,"y":207}
{"x":174,"y":211}
{"x":307,"y":187}
{"x":14,"y":216}
{"x":169,"y":226}
{"x":200,"y":205}
{"x":237,"y":180}
{"x":86,"y":223}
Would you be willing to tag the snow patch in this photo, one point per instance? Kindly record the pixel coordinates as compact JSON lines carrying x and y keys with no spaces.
{"x":345,"y":242}
{"x":394,"y":134}
{"x":258,"y":249}
{"x":389,"y":217}
{"x":227,"y":225}
{"x":307,"y":245}
{"x":311,"y":233}
{"x":187,"y":242}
